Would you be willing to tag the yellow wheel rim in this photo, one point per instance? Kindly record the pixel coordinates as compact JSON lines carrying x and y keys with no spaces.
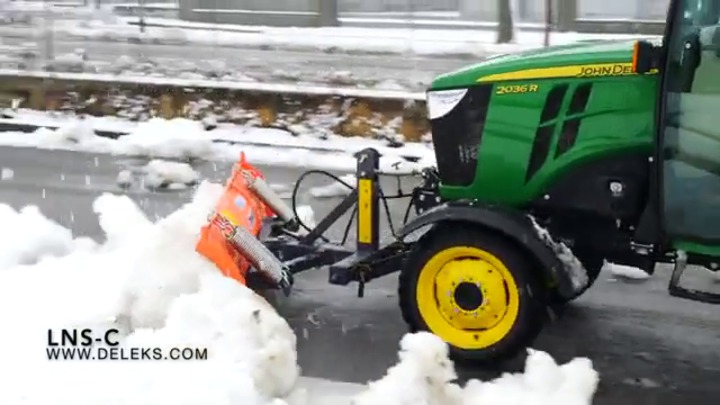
{"x":467,"y":297}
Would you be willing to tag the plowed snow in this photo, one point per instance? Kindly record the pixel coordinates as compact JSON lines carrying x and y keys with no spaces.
{"x":147,"y":281}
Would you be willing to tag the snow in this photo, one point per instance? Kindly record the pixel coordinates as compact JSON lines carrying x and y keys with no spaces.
{"x":125,"y":178}
{"x":336,"y":189}
{"x":307,"y":216}
{"x":424,"y":375}
{"x":165,"y":171}
{"x":7,"y":173}
{"x":27,"y":236}
{"x":573,"y":265}
{"x":626,"y":272}
{"x":160,"y":173}
{"x":147,"y":281}
{"x":183,"y":139}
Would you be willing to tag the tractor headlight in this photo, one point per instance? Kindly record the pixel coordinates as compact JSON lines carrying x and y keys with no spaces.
{"x":441,"y":102}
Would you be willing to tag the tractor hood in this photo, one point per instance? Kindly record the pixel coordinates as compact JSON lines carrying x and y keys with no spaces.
{"x":577,"y":59}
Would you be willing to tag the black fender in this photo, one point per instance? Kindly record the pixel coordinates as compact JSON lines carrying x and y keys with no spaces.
{"x":514,"y":225}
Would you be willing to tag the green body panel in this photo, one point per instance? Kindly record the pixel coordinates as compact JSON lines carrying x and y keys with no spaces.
{"x":619,"y":117}
{"x":697,"y":248}
{"x":588,"y":52}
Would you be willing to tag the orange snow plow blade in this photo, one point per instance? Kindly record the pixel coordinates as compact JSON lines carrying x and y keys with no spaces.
{"x":238,"y":207}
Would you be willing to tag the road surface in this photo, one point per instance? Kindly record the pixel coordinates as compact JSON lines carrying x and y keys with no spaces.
{"x":648,"y":347}
{"x":412,"y":72}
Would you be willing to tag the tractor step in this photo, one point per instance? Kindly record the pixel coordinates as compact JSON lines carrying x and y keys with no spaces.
{"x":691,"y":294}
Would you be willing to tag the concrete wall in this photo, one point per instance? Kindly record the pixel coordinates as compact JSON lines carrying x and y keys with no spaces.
{"x":636,"y":9}
{"x":523,"y":10}
{"x":298,"y":13}
{"x":398,"y":5}
{"x":534,"y":10}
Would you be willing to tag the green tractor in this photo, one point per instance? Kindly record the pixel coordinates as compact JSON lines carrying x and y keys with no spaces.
{"x":609,"y":146}
{"x":549,"y":163}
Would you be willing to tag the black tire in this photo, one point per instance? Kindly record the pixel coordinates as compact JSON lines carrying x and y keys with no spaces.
{"x":531,"y":295}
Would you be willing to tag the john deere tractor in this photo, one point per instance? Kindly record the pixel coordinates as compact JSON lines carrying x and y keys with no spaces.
{"x":549,"y":163}
{"x":611,"y":149}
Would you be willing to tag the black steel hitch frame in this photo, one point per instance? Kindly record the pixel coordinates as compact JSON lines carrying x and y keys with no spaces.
{"x":368,"y":260}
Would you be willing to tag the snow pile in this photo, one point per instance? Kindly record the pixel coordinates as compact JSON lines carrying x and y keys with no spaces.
{"x":165,"y":173}
{"x":159,"y":174}
{"x":336,"y":189}
{"x":573,"y":265}
{"x":68,"y":62}
{"x":27,"y":236}
{"x":176,"y":139}
{"x":425,"y":375}
{"x":173,"y":139}
{"x":173,"y":172}
{"x":543,"y":382}
{"x":626,"y":272}
{"x":183,"y":139}
{"x":147,"y":281}
{"x":7,"y":173}
{"x":125,"y":178}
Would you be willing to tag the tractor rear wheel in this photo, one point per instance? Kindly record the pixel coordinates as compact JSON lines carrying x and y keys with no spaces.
{"x":475,"y":290}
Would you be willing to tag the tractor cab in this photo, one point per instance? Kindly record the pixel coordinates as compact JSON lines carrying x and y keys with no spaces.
{"x":687,"y":156}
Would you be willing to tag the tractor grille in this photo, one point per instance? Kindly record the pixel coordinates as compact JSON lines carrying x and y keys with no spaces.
{"x":457,"y":136}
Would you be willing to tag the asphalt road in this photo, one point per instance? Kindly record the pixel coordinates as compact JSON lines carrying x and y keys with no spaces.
{"x":410,"y":71}
{"x":649,"y":348}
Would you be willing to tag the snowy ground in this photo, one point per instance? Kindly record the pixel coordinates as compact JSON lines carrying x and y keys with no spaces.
{"x":186,"y":139}
{"x":146,"y":280}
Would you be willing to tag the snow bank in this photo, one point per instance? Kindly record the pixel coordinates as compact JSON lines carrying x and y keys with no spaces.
{"x":146,"y":280}
{"x":165,"y":173}
{"x":424,"y":375}
{"x":183,"y":139}
{"x":159,"y":174}
{"x":27,"y":236}
{"x":626,"y":272}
